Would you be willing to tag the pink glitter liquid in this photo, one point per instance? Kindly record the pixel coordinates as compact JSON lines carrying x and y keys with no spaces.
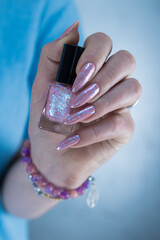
{"x":58,"y":102}
{"x":56,"y":109}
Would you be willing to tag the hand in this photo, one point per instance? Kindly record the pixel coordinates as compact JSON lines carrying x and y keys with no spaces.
{"x":110,"y":125}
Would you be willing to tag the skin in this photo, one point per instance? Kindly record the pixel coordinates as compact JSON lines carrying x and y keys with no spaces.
{"x":101,"y":135}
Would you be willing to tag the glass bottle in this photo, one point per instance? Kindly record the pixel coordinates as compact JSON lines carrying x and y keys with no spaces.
{"x":56,"y":106}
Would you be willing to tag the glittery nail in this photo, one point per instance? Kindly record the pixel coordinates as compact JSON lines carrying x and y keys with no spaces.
{"x":85,"y":96}
{"x":80,"y":115}
{"x":68,"y":142}
{"x":69,"y":30}
{"x":83,"y":76}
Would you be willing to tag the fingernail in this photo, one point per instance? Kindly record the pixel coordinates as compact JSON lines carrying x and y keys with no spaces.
{"x":83,"y":76}
{"x":85,"y":96}
{"x":68,"y":142}
{"x":80,"y":115}
{"x":69,"y":30}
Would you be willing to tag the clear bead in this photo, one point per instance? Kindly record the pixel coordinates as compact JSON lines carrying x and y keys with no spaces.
{"x":92,"y":197}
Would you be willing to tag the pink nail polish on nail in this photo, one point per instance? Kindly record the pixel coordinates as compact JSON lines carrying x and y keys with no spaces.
{"x":80,"y":115}
{"x":57,"y":101}
{"x":83,"y":76}
{"x":68,"y":142}
{"x":85,"y":96}
{"x":69,"y":30}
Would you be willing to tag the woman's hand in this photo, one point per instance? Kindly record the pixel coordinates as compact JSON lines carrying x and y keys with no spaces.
{"x":108,"y":90}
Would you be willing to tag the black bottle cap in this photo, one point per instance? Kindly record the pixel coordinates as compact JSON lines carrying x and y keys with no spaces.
{"x":69,"y":59}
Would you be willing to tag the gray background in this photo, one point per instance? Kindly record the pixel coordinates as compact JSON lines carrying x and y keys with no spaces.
{"x":129,"y":184}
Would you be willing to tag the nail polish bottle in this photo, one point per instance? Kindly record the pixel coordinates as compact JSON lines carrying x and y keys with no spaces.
{"x":56,"y":106}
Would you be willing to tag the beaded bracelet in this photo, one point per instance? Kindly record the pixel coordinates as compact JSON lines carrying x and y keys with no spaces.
{"x":48,"y":190}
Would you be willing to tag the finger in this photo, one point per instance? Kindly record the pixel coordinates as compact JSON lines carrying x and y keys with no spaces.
{"x":113,"y":126}
{"x":97,"y":48}
{"x":118,"y":67}
{"x":124,"y":94}
{"x":49,"y":61}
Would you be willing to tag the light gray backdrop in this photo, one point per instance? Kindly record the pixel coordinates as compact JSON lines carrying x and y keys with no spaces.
{"x":129,"y":184}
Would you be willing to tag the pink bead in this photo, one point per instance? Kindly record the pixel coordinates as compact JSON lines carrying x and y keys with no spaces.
{"x":73,"y":193}
{"x":31,"y":169}
{"x":27,"y":144}
{"x":42,"y":182}
{"x":80,"y":190}
{"x":56,"y":192}
{"x":35,"y":177}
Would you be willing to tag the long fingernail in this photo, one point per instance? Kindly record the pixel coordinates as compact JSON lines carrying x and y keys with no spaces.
{"x":68,"y":142}
{"x":69,"y":30}
{"x":80,"y":115}
{"x":85,"y":96}
{"x":83,"y":76}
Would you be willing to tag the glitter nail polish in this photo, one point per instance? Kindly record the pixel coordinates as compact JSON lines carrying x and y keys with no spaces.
{"x":68,"y":142}
{"x":56,"y":106}
{"x":80,"y":115}
{"x":84,"y":96}
{"x":83,"y":77}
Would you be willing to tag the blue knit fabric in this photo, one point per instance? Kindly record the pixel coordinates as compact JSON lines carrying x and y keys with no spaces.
{"x":25,"y":26}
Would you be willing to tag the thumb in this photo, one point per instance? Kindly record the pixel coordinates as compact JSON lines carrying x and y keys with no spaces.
{"x":49,"y":62}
